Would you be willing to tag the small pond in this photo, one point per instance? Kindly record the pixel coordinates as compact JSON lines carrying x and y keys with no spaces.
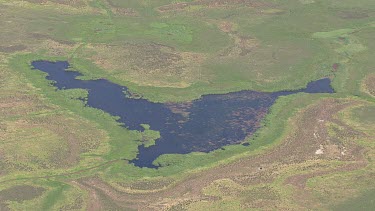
{"x":203,"y":125}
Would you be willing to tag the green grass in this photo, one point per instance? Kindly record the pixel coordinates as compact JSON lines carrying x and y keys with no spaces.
{"x":364,"y":114}
{"x":269,"y":47}
{"x":333,"y":34}
{"x":124,"y":143}
{"x":363,"y":202}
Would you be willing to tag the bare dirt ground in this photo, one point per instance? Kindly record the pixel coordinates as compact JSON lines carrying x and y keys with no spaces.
{"x":298,"y":150}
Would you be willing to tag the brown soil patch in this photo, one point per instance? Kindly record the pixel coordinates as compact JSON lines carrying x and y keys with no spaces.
{"x":173,"y":7}
{"x":125,"y":12}
{"x":20,"y":104}
{"x":61,"y":140}
{"x":56,"y":48}
{"x":73,"y":3}
{"x":226,"y":3}
{"x":226,"y":26}
{"x":215,"y":4}
{"x":12,"y":48}
{"x":93,"y":199}
{"x":34,"y":136}
{"x":77,"y":142}
{"x":243,"y":45}
{"x":122,"y":11}
{"x":149,"y":64}
{"x":299,"y":181}
{"x":37,"y":1}
{"x":148,"y":185}
{"x":369,"y":84}
{"x":297,"y":148}
{"x":39,"y":36}
{"x":140,"y":57}
{"x":355,"y":14}
{"x":19,"y":193}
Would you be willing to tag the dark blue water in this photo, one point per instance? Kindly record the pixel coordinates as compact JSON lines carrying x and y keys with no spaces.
{"x":202,"y":125}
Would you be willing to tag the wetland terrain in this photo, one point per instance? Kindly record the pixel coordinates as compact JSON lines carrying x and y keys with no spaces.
{"x":203,"y":125}
{"x":187,"y":105}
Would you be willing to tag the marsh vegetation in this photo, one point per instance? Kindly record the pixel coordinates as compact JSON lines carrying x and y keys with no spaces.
{"x":57,"y":153}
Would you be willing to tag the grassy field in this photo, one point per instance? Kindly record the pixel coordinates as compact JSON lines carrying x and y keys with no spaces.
{"x":313,"y":151}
